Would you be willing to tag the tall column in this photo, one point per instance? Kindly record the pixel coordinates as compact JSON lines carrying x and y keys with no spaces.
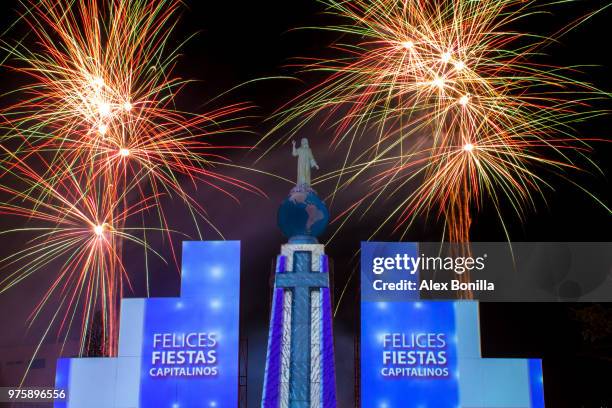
{"x":300,"y":369}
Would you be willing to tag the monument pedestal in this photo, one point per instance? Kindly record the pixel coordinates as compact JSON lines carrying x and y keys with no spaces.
{"x":300,"y":362}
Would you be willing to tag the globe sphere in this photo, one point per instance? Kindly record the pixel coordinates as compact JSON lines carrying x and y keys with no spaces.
{"x":303,"y":214}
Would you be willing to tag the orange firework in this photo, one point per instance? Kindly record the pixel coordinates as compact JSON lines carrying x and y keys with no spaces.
{"x":96,"y":140}
{"x":448,"y":95}
{"x":76,"y":229}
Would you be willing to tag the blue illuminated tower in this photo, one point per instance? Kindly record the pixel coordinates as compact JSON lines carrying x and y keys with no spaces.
{"x":138,"y":377}
{"x":300,"y":369}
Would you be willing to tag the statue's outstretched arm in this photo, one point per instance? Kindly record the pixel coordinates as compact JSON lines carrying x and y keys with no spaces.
{"x":294,"y":151}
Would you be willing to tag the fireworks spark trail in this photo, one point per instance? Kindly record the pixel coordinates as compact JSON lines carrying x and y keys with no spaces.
{"x":78,"y":227}
{"x":102,"y":93}
{"x":495,"y":116}
{"x":95,"y":144}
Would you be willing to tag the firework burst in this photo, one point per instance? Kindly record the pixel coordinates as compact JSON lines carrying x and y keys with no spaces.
{"x":103,"y":95}
{"x":95,"y":141}
{"x":78,"y":230}
{"x":446,"y":104}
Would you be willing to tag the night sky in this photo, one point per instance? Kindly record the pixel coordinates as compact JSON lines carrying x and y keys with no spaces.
{"x":240,"y":41}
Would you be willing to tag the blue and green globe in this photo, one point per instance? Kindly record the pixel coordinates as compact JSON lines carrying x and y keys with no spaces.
{"x":303,"y":214}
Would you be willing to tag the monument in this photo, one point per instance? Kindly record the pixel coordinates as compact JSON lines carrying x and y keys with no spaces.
{"x":183,"y":352}
{"x":300,"y":370}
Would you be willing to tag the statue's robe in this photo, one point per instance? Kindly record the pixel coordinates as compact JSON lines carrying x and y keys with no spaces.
{"x":305,"y":162}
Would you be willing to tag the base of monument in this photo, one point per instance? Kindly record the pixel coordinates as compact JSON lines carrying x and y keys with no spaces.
{"x":303,"y":239}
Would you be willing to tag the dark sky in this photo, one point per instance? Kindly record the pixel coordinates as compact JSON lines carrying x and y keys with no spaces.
{"x":243,"y":40}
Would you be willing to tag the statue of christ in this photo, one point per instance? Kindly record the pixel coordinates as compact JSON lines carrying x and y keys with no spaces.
{"x":306,"y":161}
